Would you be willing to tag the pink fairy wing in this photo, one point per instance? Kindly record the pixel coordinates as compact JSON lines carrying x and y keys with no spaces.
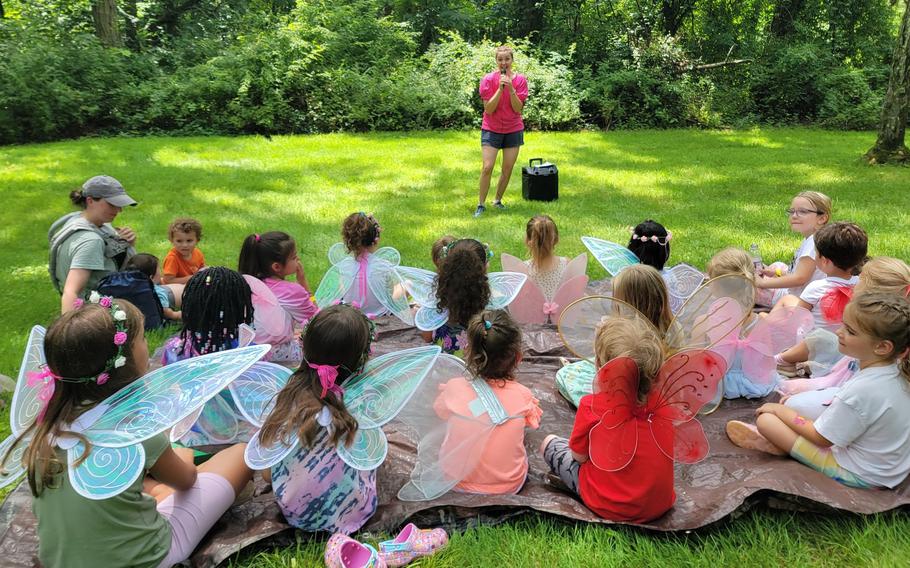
{"x":614,"y":439}
{"x":578,"y":266}
{"x":780,"y":329}
{"x":273,"y":324}
{"x":721,"y":336}
{"x":513,"y":264}
{"x":528,"y":305}
{"x":686,"y":382}
{"x":567,"y":293}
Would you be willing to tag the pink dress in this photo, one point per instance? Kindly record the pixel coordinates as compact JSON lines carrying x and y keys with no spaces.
{"x":294,"y":298}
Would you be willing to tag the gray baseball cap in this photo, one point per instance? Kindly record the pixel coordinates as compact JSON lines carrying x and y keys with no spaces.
{"x":108,"y":189}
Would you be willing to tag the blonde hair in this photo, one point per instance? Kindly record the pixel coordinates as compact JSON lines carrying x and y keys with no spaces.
{"x":541,"y":236}
{"x":731,"y":260}
{"x":884,"y":274}
{"x":887,"y":317}
{"x":644,"y":288}
{"x":633,"y":338}
{"x":819,"y":200}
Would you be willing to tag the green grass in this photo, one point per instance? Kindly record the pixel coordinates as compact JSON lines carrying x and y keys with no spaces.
{"x":712,"y":189}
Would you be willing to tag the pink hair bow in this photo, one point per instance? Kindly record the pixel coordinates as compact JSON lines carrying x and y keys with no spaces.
{"x":47,"y":380}
{"x":550,"y":308}
{"x":328,"y":374}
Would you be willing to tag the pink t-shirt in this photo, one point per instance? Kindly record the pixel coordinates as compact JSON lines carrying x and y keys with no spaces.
{"x":293,"y":298}
{"x":503,"y":466}
{"x":504,"y":120}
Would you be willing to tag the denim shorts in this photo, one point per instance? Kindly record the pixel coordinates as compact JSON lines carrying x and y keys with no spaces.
{"x":498,"y":141}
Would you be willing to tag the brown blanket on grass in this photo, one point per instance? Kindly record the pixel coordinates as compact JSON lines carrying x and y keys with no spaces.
{"x":728,"y":480}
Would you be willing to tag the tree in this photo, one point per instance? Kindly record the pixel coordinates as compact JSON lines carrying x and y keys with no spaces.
{"x":890,"y":147}
{"x":107,"y":27}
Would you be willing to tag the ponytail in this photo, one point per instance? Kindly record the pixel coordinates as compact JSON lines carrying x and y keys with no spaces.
{"x":259,"y":252}
{"x":541,"y":236}
{"x":494,"y":343}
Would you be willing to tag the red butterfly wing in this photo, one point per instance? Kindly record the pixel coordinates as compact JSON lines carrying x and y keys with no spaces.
{"x":614,"y":439}
{"x":684,"y":442}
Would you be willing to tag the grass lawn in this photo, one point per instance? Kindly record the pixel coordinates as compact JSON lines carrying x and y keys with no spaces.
{"x":712,"y":189}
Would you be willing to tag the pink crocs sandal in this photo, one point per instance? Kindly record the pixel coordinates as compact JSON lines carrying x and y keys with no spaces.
{"x":344,"y":552}
{"x":412,"y":543}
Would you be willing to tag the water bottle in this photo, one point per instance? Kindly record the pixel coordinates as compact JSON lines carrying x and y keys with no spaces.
{"x":756,"y":257}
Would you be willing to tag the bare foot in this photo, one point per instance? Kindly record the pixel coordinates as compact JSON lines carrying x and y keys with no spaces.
{"x":747,"y":436}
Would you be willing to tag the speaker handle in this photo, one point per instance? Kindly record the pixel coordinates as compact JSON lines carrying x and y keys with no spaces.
{"x":532,"y":160}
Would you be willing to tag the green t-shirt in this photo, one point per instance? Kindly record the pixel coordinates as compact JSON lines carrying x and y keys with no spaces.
{"x":125,"y":530}
{"x":84,"y":249}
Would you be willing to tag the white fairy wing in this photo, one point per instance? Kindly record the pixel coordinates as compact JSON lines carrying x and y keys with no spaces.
{"x":13,"y":468}
{"x":576,"y":267}
{"x":504,"y":286}
{"x":272,"y":323}
{"x":336,"y":282}
{"x":106,"y":472}
{"x":430,"y":318}
{"x":611,"y":256}
{"x":388,"y":287}
{"x":255,"y":390}
{"x":682,"y":281}
{"x":259,"y":457}
{"x":337,"y":253}
{"x":580,"y":319}
{"x":388,"y":254}
{"x":420,"y":284}
{"x":25,"y":405}
{"x":513,"y":264}
{"x":368,"y":450}
{"x":692,"y":328}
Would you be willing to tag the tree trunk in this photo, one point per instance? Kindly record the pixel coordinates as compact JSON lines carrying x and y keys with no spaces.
{"x":107,"y":27}
{"x":891,"y":129}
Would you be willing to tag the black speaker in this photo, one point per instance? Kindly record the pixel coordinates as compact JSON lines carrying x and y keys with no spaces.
{"x":540,"y":182}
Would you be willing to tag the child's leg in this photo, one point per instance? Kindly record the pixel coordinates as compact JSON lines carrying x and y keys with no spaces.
{"x":786,"y":302}
{"x":822,"y":460}
{"x":177,"y":290}
{"x":230,"y":465}
{"x":556,"y":453}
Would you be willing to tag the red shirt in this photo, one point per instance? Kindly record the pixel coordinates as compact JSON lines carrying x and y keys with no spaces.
{"x":504,"y":119}
{"x":640,"y":492}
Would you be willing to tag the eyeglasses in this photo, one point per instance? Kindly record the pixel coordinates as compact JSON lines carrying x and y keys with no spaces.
{"x":802,"y":212}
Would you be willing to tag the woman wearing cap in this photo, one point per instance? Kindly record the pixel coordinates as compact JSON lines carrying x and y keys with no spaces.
{"x":503,"y":94}
{"x":84,"y":246}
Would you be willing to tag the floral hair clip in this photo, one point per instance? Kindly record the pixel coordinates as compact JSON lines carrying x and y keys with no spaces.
{"x":662,"y":241}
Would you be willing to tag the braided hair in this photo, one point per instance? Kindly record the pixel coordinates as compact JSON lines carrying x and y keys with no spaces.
{"x":215,"y":302}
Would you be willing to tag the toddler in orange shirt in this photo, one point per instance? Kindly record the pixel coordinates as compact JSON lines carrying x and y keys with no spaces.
{"x":184,"y":259}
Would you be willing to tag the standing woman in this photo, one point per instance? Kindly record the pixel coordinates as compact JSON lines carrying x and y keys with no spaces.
{"x":503,"y":93}
{"x":84,"y":246}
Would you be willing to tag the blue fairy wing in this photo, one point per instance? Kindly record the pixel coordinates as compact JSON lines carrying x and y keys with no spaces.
{"x":388,"y":287}
{"x":430,"y":318}
{"x":25,"y":405}
{"x":13,"y":468}
{"x":106,"y":472}
{"x":337,"y":253}
{"x":255,"y":390}
{"x":260,"y":457}
{"x":389,"y":255}
{"x":504,"y":286}
{"x":420,"y":284}
{"x":337,"y":281}
{"x":611,"y":256}
{"x":368,"y":450}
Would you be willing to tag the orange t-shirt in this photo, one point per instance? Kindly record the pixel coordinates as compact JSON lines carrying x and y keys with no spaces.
{"x":176,"y":267}
{"x":503,"y":464}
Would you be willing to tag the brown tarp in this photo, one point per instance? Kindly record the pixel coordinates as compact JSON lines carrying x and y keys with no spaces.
{"x":729,"y":479}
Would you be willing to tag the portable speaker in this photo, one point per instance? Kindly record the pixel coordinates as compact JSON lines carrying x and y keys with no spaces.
{"x":540,"y":182}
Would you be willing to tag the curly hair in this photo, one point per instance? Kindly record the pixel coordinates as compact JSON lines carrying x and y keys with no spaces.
{"x":652,"y":253}
{"x":494,"y":343}
{"x":184,"y":225}
{"x":461,"y":285}
{"x":438,"y":246}
{"x":359,"y":232}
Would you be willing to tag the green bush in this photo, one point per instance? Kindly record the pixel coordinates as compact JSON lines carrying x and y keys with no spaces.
{"x":849,"y":102}
{"x":787,"y":85}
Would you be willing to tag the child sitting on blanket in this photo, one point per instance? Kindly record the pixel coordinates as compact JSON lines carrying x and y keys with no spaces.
{"x":644,"y":289}
{"x":184,"y":259}
{"x":272,"y":257}
{"x":862,"y":439}
{"x":809,"y":211}
{"x":650,"y":241}
{"x":841,"y":248}
{"x":544,"y":268}
{"x":492,"y":354}
{"x":642,"y":490}
{"x":462,"y":288}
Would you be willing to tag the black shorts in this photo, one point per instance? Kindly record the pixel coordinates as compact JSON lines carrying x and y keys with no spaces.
{"x":499,"y":141}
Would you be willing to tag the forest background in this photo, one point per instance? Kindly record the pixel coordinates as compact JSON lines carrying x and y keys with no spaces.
{"x":71,"y":68}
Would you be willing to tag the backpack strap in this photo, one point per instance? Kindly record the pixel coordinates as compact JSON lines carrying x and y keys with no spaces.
{"x":64,"y":227}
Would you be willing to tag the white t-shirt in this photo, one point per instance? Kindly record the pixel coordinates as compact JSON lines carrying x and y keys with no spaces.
{"x":815,"y":290}
{"x":806,"y":248}
{"x":867,"y":423}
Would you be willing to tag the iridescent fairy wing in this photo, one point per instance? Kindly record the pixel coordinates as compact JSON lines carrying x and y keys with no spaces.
{"x":142,"y":409}
{"x":430,"y":318}
{"x":337,"y":281}
{"x":692,"y":327}
{"x":580,"y":320}
{"x":389,"y":255}
{"x":337,"y":253}
{"x":388,"y":287}
{"x":255,"y":390}
{"x":420,"y":284}
{"x":611,"y":256}
{"x":376,"y":395}
{"x":504,"y":286}
{"x":450,"y":422}
{"x":682,"y":281}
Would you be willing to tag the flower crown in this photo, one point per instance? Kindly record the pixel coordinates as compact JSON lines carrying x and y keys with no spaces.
{"x":445,"y":250}
{"x":662,"y":241}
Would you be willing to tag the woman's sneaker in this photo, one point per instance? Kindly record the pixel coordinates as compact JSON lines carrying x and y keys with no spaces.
{"x":479,"y":211}
{"x":498,"y":205}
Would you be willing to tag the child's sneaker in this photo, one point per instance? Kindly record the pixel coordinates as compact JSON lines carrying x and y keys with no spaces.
{"x":479,"y":211}
{"x":412,"y":543}
{"x":344,"y":552}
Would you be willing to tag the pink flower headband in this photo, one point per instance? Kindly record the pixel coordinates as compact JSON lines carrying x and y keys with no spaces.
{"x":46,"y":379}
{"x":662,"y":241}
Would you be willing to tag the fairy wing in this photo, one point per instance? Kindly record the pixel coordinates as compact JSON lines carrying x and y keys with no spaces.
{"x":389,"y":255}
{"x":576,"y":267}
{"x":504,"y":286}
{"x":388,"y":286}
{"x":682,"y":281}
{"x":25,"y":404}
{"x":420,"y":284}
{"x":449,"y":443}
{"x":580,"y":319}
{"x":376,"y":395}
{"x":723,"y":340}
{"x":272,"y":323}
{"x":614,"y":439}
{"x":430,"y":318}
{"x":779,"y":330}
{"x":142,"y":409}
{"x":692,"y":327}
{"x":513,"y":264}
{"x":337,"y":253}
{"x":255,"y":390}
{"x":336,"y":282}
{"x":687,"y":381}
{"x":611,"y":256}
{"x":528,"y":305}
{"x":567,"y":293}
